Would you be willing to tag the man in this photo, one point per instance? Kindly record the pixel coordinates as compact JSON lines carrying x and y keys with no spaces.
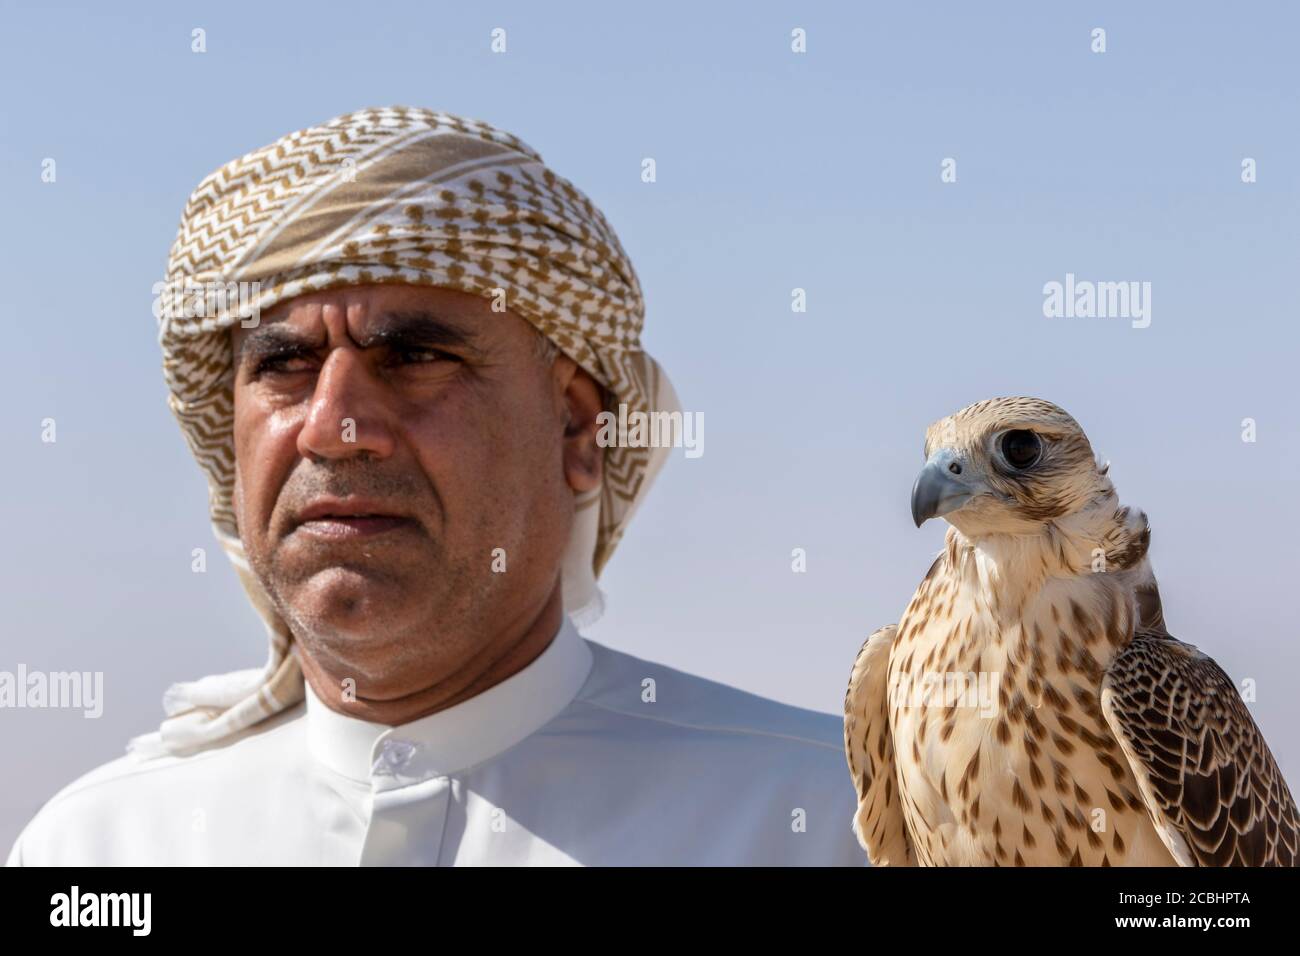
{"x":400,"y":428}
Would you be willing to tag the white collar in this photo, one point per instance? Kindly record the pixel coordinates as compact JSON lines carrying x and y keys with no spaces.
{"x":454,"y":739}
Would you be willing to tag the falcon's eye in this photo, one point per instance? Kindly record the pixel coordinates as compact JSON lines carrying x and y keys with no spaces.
{"x":1021,"y":448}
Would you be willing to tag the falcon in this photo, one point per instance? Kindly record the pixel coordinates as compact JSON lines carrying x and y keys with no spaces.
{"x":1030,"y":708}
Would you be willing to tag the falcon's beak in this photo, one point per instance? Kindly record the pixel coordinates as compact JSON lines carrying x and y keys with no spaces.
{"x":941,"y":488}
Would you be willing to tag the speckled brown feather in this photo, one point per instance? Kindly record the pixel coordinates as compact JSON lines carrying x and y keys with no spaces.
{"x":1206,"y":774}
{"x":869,"y":748}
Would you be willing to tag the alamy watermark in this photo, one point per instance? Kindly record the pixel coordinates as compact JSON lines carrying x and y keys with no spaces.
{"x":1084,"y":299}
{"x":968,"y":690}
{"x":130,"y":910}
{"x":656,"y":429}
{"x":59,"y":690}
{"x":190,"y":299}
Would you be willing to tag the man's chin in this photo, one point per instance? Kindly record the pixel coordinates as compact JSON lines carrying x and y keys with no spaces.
{"x":341,"y":598}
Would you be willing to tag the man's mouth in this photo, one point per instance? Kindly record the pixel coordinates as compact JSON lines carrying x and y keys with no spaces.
{"x":341,"y":518}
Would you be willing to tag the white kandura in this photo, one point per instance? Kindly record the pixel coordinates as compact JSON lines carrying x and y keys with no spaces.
{"x":570,"y":761}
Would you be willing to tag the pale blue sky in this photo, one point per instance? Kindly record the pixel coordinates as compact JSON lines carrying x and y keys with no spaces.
{"x":775,"y":171}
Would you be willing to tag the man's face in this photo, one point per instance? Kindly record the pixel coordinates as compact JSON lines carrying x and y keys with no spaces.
{"x":388,"y":440}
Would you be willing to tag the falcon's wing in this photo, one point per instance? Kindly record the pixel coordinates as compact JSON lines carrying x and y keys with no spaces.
{"x":1207,"y":777}
{"x":869,"y":747}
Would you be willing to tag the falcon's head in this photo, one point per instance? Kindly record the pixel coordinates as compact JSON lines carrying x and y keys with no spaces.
{"x":1006,"y":466}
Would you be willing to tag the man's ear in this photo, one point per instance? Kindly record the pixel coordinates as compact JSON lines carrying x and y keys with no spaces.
{"x":583,"y":399}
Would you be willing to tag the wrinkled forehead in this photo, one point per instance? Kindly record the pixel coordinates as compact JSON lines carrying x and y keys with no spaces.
{"x":973,"y":424}
{"x":439,"y":315}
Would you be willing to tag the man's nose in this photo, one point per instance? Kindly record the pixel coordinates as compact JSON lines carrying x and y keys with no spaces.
{"x":348,"y":415}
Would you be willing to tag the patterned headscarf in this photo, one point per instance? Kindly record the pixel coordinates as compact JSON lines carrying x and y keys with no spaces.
{"x":393,"y":195}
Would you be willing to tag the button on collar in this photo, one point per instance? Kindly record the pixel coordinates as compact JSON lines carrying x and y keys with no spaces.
{"x":394,"y":754}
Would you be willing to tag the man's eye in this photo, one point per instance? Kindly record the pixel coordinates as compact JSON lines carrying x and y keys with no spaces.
{"x":281,"y":364}
{"x":290,"y":364}
{"x":420,"y":356}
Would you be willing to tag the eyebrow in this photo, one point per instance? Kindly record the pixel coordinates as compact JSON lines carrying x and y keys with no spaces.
{"x":395,"y":330}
